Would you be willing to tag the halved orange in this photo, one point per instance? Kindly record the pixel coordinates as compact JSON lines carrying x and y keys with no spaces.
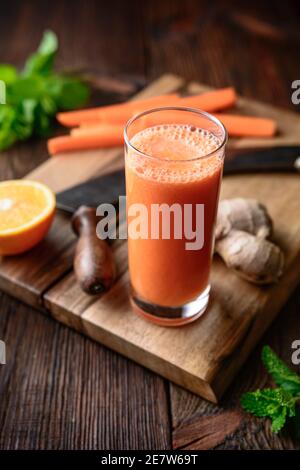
{"x":26,"y":212}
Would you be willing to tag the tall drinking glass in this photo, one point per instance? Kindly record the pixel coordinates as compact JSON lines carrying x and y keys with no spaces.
{"x":174,"y":162}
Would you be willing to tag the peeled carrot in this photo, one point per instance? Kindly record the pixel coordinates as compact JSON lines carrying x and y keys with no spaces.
{"x":248,"y":126}
{"x":237,"y":126}
{"x":211,"y":101}
{"x":120,"y":113}
{"x":92,"y":123}
{"x":69,"y":143}
{"x":208,"y":101}
{"x":111,"y":135}
{"x":114,"y":112}
{"x":112,"y":130}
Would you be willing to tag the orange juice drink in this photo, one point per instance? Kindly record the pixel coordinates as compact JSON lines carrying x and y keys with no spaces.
{"x":174,"y":161}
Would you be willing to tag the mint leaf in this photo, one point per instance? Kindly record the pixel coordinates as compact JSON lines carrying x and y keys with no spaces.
{"x":24,"y":119}
{"x":275,"y":403}
{"x":266,"y":402}
{"x":74,"y":94}
{"x":279,"y":403}
{"x":42,"y":61}
{"x":7,"y":134}
{"x":28,"y":107}
{"x":68,"y":92}
{"x":49,"y":43}
{"x":25,"y":88}
{"x":278,"y":420}
{"x":42,"y":122}
{"x":280,"y":372}
{"x":34,"y":96}
{"x":8,"y":73}
{"x":256,"y":402}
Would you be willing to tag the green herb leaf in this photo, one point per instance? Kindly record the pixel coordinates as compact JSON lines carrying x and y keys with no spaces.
{"x":280,"y":372}
{"x":266,"y":402}
{"x":7,"y":134}
{"x":275,"y":403}
{"x":34,"y":97}
{"x":279,"y":404}
{"x":28,"y":107}
{"x":68,"y":92}
{"x":24,"y":121}
{"x":8,"y":73}
{"x":26,"y":88}
{"x":42,"y":61}
{"x":42,"y":122}
{"x":278,"y":420}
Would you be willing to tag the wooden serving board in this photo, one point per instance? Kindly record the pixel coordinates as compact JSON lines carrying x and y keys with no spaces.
{"x":204,"y":356}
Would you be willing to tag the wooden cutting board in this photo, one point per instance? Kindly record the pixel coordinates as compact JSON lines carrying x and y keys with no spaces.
{"x":204,"y":356}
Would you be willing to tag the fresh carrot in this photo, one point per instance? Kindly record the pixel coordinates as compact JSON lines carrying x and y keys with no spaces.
{"x":69,"y":143}
{"x":114,"y":112}
{"x":91,"y":123}
{"x":112,"y":130}
{"x":248,"y":126}
{"x":237,"y":126}
{"x":111,"y":135}
{"x":210,"y":101}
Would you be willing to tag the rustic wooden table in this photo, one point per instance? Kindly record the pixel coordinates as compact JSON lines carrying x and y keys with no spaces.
{"x":58,"y":389}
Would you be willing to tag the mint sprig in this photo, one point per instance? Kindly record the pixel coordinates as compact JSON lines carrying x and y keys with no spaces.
{"x":280,"y":372}
{"x":42,"y":61}
{"x":274,"y":403}
{"x":279,"y":403}
{"x":35,"y":94}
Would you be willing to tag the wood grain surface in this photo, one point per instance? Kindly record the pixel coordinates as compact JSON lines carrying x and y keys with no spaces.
{"x":59,"y":389}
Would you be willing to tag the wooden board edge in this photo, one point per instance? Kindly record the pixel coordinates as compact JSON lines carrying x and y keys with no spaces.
{"x":24,"y":295}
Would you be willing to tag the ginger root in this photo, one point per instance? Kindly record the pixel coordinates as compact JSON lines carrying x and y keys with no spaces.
{"x":243,"y":226}
{"x":247,"y":215}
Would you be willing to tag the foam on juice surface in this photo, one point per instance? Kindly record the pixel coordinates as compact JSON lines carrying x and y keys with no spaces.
{"x":174,"y":146}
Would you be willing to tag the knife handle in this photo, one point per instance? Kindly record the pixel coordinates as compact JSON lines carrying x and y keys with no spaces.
{"x":94,"y":264}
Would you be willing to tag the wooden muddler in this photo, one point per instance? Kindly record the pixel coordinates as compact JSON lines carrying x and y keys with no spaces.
{"x":94,"y":264}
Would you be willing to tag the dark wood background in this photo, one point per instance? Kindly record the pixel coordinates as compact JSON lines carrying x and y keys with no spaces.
{"x":58,"y":389}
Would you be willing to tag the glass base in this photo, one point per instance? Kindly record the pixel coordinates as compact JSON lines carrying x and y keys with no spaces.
{"x":171,"y":316}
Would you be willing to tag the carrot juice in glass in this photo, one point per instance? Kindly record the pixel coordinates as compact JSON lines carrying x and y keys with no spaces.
{"x":174,"y":162}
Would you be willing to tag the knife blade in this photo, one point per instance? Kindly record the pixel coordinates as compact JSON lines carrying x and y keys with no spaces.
{"x":284,"y":159}
{"x":103,"y":189}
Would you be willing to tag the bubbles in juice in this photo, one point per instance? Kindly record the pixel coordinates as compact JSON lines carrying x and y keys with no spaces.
{"x":173,"y":146}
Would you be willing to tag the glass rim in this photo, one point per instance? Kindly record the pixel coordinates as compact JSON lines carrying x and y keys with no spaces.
{"x":209,"y":116}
